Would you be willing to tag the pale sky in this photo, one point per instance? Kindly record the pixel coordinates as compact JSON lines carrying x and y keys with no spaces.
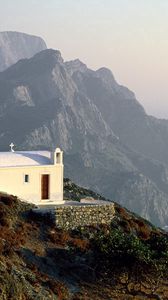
{"x":128,"y":36}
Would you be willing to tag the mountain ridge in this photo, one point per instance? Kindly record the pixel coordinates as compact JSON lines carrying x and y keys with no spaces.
{"x":49,"y":101}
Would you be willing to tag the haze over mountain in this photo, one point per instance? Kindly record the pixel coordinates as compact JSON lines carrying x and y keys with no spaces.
{"x":16,"y":45}
{"x":111,"y":145}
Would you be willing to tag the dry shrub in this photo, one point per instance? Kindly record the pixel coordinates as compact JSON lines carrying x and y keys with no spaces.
{"x":126,"y":225}
{"x":3,"y":216}
{"x":43,"y":277}
{"x":139,"y":226}
{"x":104,"y":227}
{"x":35,"y":226}
{"x":12,"y":244}
{"x":63,"y":238}
{"x":32,"y":267}
{"x":4,"y":221}
{"x":133,"y":226}
{"x":29,"y":231}
{"x":1,"y":246}
{"x":10,"y":240}
{"x":26,"y":228}
{"x":59,"y":289}
{"x":81,"y":244}
{"x":144,"y":233}
{"x":39,"y":250}
{"x":8,"y":199}
{"x":59,"y":237}
{"x":140,"y":223}
{"x":122,"y":212}
{"x":143,"y":230}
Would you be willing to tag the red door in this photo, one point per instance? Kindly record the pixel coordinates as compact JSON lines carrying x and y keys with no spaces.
{"x":45,"y":181}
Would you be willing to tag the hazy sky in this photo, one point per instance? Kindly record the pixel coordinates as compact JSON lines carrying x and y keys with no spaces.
{"x":128,"y":36}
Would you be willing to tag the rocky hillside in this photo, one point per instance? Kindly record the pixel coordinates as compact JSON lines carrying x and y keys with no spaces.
{"x":126,"y":260}
{"x":45,"y":102}
{"x":16,"y":45}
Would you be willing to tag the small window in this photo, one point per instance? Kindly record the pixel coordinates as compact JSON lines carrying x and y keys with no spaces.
{"x":26,"y":178}
{"x":58,"y":158}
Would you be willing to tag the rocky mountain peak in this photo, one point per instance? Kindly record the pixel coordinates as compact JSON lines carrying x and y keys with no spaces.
{"x":17,"y":45}
{"x":49,"y":55}
{"x":75,"y":66}
{"x":106,"y":74}
{"x":40,"y":63}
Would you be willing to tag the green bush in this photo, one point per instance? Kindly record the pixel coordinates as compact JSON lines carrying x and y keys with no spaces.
{"x":122,"y":247}
{"x":159,"y":245}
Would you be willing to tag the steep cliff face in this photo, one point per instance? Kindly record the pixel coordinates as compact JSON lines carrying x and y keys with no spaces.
{"x":124,"y":115}
{"x":16,"y":45}
{"x":45,"y":102}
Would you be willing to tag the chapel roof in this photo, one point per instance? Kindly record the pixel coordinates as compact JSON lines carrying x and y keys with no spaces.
{"x":25,"y":158}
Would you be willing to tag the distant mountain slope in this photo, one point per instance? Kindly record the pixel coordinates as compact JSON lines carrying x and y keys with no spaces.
{"x":123,"y":113}
{"x":45,"y":102}
{"x":16,"y":45}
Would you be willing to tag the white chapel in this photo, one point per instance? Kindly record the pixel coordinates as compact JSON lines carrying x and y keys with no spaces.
{"x":33,"y":176}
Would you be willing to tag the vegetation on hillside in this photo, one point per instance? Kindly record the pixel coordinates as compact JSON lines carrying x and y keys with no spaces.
{"x":126,"y":260}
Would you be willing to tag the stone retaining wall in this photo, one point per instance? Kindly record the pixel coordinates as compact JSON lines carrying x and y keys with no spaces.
{"x":71,"y":217}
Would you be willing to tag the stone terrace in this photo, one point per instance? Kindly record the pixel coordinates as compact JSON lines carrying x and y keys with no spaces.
{"x":71,"y":214}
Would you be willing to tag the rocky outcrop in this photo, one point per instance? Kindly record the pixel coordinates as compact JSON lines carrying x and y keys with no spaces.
{"x":16,"y":45}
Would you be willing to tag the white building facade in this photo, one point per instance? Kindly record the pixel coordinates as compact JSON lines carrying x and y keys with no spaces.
{"x":33,"y":176}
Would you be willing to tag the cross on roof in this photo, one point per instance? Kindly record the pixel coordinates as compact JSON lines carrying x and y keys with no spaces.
{"x":11,"y":146}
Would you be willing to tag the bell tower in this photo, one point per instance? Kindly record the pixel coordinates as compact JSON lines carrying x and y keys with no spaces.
{"x":58,"y":156}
